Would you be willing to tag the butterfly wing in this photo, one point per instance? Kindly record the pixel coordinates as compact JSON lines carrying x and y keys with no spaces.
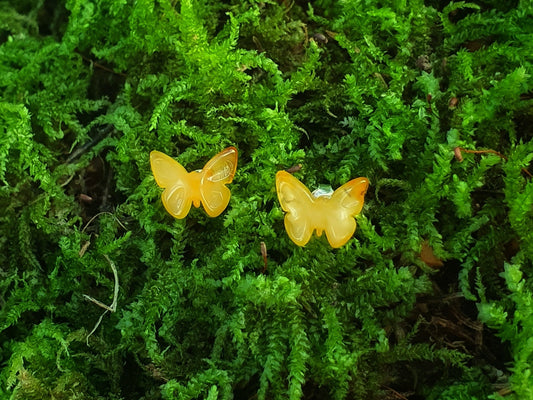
{"x":170,"y":175}
{"x":345,"y":203}
{"x":218,"y":172}
{"x":296,"y":200}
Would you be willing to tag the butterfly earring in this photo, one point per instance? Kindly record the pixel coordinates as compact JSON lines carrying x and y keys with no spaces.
{"x":333,"y":213}
{"x":206,"y":186}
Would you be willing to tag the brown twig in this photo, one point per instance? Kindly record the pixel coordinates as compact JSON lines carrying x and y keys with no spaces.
{"x":395,"y":393}
{"x":100,"y":66}
{"x":265,"y":256}
{"x":294,"y":168}
{"x":459,"y":157}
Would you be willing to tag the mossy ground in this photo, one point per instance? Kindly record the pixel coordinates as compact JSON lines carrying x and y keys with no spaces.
{"x":431,"y":100}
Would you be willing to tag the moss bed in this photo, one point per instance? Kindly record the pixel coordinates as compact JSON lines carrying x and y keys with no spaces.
{"x":103,"y":295}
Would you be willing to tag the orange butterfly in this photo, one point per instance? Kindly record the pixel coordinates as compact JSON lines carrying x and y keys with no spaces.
{"x":207,"y":185}
{"x":307,"y":212}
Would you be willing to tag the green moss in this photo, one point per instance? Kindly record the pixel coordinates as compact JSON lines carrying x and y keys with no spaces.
{"x":402,"y":92}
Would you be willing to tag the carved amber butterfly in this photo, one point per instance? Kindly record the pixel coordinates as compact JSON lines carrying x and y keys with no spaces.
{"x":206,"y":186}
{"x":306,"y":212}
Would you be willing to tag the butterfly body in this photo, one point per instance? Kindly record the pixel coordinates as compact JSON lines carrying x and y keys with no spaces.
{"x":192,"y":183}
{"x":206,"y":186}
{"x":333,"y":214}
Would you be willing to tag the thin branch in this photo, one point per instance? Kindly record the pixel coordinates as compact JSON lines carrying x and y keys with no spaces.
{"x":113,"y":306}
{"x":101,"y":213}
{"x":459,"y":157}
{"x":102,"y":67}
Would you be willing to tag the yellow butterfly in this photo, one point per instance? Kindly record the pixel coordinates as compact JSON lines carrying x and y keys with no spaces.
{"x":333,"y":213}
{"x":206,"y":186}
